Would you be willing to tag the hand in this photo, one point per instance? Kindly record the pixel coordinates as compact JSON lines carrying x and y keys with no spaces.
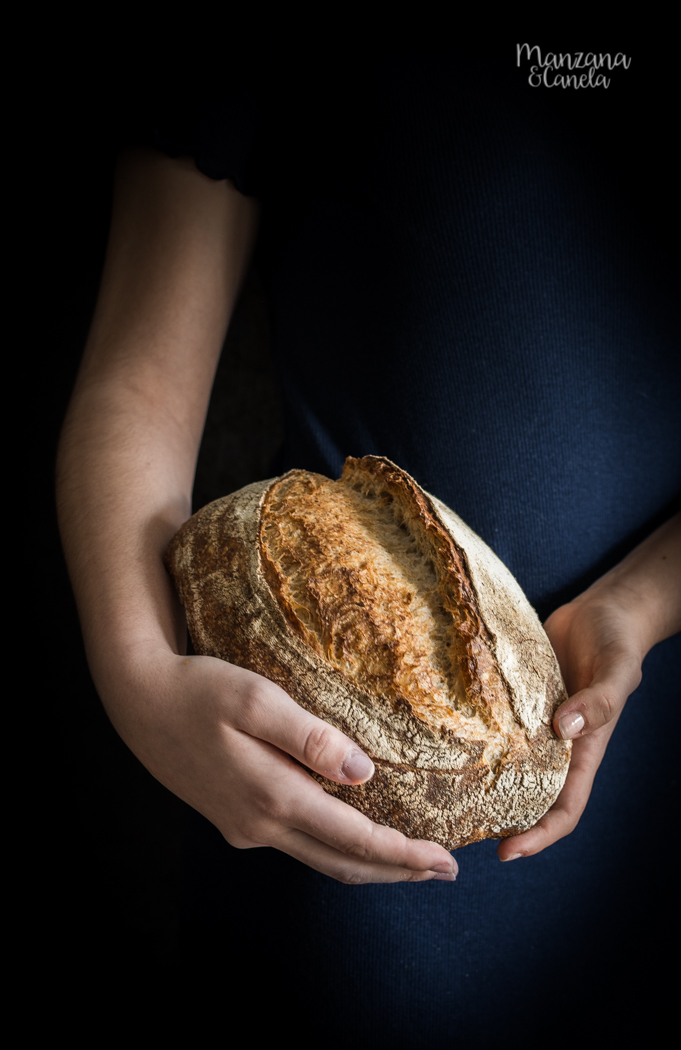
{"x":601,"y":639}
{"x":179,"y":247}
{"x":599,"y":650}
{"x":221,"y":738}
{"x":224,"y":739}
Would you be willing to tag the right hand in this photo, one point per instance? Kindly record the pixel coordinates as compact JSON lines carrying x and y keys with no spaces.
{"x":223,"y":739}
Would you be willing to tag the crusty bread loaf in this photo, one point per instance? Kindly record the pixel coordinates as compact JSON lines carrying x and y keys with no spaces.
{"x":375,"y":607}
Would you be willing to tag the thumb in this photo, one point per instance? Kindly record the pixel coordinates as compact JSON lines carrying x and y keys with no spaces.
{"x":601,"y":702}
{"x":267,"y":712}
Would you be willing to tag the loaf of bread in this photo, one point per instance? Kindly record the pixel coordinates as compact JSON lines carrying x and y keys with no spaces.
{"x":376,"y":608}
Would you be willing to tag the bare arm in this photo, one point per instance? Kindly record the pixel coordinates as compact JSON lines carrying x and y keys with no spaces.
{"x":129,"y":443}
{"x":601,"y":640}
{"x":218,"y":736}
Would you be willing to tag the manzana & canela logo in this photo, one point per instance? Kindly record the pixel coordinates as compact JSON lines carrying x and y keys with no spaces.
{"x":578,"y":69}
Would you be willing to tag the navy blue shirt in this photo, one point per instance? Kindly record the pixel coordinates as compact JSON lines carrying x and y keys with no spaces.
{"x":471,"y":276}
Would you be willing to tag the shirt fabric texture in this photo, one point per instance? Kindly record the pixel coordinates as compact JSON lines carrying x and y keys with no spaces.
{"x":472,"y":277}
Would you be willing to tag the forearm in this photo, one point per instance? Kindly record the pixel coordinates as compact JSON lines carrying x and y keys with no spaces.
{"x":219,"y":736}
{"x":647,"y":583}
{"x":124,"y":487}
{"x":178,"y":249}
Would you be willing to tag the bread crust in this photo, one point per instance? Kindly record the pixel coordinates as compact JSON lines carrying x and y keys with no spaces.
{"x":482,"y":761}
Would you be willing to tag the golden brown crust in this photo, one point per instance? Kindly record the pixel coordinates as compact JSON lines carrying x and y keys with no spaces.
{"x":305,"y":581}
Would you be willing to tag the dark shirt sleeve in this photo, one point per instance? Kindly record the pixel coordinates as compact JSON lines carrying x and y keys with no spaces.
{"x":217,"y":123}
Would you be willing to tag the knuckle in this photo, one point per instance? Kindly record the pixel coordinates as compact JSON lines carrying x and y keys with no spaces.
{"x":239,"y":841}
{"x":368,"y":843}
{"x":265,"y":811}
{"x":572,"y":819}
{"x":546,"y":831}
{"x":606,"y":707}
{"x":254,"y":702}
{"x":350,"y":877}
{"x":318,"y":747}
{"x":359,"y":850}
{"x":246,"y":835}
{"x":273,"y":810}
{"x":561,"y":825}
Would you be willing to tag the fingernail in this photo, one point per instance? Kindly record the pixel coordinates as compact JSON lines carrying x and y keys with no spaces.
{"x":570,"y":725}
{"x":357,"y":766}
{"x":514,"y":856}
{"x":444,"y":876}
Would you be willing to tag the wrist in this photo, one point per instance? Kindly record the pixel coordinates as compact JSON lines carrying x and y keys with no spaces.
{"x":116,"y":651}
{"x":135,"y":684}
{"x":633,"y":602}
{"x":647,"y":584}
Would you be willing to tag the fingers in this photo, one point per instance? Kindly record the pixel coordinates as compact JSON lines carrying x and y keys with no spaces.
{"x":256,"y":795}
{"x":602,"y":701}
{"x":588,"y":718}
{"x":564,"y":815}
{"x":291,"y":812}
{"x":268,"y":713}
{"x":352,"y":872}
{"x":346,"y":830}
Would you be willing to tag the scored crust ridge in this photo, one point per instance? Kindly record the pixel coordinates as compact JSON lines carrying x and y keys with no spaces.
{"x":377,"y":609}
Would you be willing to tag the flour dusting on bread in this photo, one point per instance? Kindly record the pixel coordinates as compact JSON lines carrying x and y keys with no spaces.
{"x":377,"y":609}
{"x":360,"y":578}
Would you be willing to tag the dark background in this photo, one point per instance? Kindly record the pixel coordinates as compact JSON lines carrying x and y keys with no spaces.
{"x":107,"y":835}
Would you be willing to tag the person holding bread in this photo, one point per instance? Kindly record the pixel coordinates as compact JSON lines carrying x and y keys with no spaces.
{"x":463,"y":278}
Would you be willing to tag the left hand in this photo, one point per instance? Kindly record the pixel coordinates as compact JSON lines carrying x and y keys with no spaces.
{"x":601,"y":639}
{"x":599,"y":651}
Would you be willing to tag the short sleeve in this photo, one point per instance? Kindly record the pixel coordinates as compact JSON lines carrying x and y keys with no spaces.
{"x":218,"y":124}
